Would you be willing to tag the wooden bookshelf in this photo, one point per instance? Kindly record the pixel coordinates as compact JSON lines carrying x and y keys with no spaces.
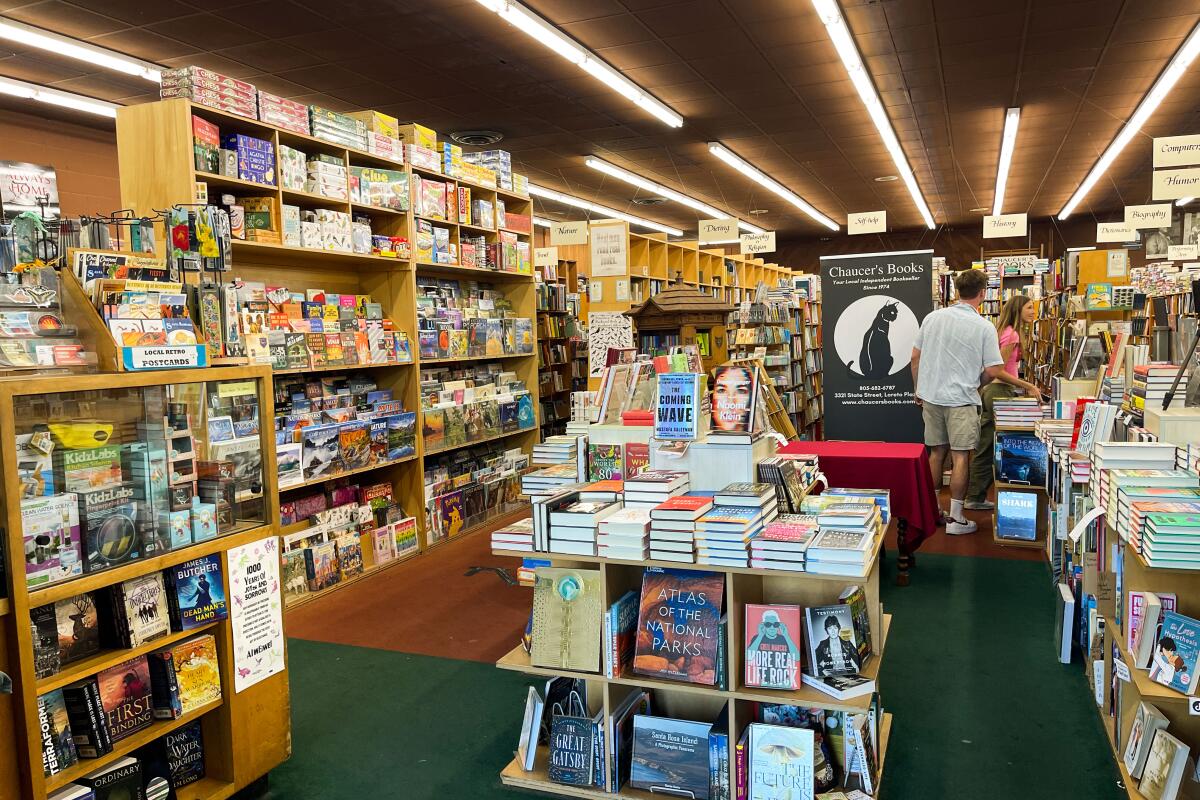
{"x":245,"y":733}
{"x":695,"y":701}
{"x":556,"y":284}
{"x":154,"y":142}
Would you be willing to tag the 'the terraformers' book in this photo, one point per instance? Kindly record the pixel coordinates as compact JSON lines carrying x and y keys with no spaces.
{"x":678,"y":625}
{"x":773,"y":636}
{"x":196,"y":592}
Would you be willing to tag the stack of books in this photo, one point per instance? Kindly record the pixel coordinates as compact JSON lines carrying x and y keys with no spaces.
{"x":882,"y":498}
{"x":740,"y":511}
{"x":573,"y":528}
{"x":1140,"y":512}
{"x":625,"y":535}
{"x":1169,"y":540}
{"x":1108,"y":457}
{"x":1017,"y":411}
{"x":846,"y":539}
{"x":1135,"y":501}
{"x":517,"y":536}
{"x":673,"y":527}
{"x":556,"y":450}
{"x":651,"y":487}
{"x":1150,"y":385}
{"x":546,"y":481}
{"x":783,"y":542}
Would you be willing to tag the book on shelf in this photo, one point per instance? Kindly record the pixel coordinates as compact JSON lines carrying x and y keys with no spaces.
{"x":1176,"y":652}
{"x":196,"y":593}
{"x":620,"y":634}
{"x":781,"y":762}
{"x":1142,"y":609}
{"x":176,"y":757}
{"x":1164,"y":768}
{"x":64,"y":631}
{"x":735,"y":399}
{"x":750,"y":495}
{"x":139,"y":609}
{"x":1146,"y":722}
{"x":773,"y":656}
{"x":671,"y":756}
{"x":833,"y":646}
{"x":841,"y":687}
{"x":677,"y":652}
{"x":184,"y":677}
{"x":531,"y":726}
{"x":58,"y":746}
{"x":126,"y":696}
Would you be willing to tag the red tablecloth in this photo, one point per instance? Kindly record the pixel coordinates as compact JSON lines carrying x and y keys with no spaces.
{"x":901,"y":468}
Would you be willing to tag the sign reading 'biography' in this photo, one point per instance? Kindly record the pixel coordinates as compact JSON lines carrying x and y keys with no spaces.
{"x":873,"y":305}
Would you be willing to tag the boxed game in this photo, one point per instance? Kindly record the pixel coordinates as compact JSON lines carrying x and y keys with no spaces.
{"x":385,"y":147}
{"x":419,"y":135}
{"x":93,"y":468}
{"x":378,"y":122}
{"x":110,"y":528}
{"x":50,"y":532}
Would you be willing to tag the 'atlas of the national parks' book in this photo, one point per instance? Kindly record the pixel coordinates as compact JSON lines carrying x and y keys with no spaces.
{"x":679,"y":625}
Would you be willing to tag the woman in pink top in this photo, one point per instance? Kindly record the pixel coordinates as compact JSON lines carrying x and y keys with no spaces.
{"x":1013,"y":328}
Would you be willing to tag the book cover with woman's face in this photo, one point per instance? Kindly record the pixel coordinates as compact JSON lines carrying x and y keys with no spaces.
{"x":733,"y":398}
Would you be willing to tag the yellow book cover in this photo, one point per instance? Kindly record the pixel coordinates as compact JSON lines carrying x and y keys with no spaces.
{"x":196,"y":672}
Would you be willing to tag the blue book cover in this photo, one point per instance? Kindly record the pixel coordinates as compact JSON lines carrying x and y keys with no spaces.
{"x":1016,"y":515}
{"x":571,"y":750}
{"x":677,"y":414}
{"x":1176,"y":652}
{"x":671,"y":756}
{"x":525,"y":417}
{"x":732,"y":514}
{"x":1020,"y":458}
{"x":198,"y":591}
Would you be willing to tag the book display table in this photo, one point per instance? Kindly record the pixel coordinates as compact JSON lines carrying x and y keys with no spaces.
{"x":901,"y":468}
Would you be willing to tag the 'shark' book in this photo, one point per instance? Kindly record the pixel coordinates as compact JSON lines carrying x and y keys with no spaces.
{"x":679,"y":624}
{"x":773,"y":637}
{"x":196,"y":593}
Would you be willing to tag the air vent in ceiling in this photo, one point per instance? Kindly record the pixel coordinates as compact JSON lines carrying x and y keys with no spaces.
{"x":649,"y":201}
{"x":477,"y":138}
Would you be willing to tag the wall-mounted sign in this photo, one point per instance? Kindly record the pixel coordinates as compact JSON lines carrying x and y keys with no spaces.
{"x":717,"y":230}
{"x":1000,"y":225}
{"x":1157,"y":215}
{"x":545,"y":256}
{"x":1115,"y":232}
{"x":866,"y":222}
{"x":1172,"y":184}
{"x":758,"y":242}
{"x":1176,"y":151}
{"x":1180,"y":252}
{"x":564,"y":233}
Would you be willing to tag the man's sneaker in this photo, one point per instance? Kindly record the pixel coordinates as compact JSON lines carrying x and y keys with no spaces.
{"x":979,"y":505}
{"x":956,"y":527}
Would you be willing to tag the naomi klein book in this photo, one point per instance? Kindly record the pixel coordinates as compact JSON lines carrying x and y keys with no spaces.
{"x":678,"y":625}
{"x":773,"y":646}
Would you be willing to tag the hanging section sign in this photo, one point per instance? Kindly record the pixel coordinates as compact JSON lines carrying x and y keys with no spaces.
{"x":758,"y":243}
{"x":873,"y":305}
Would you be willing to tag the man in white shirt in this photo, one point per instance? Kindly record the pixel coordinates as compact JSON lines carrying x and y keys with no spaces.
{"x":955,"y":350}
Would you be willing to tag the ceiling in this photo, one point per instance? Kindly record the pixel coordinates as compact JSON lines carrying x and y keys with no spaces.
{"x":761,"y":76}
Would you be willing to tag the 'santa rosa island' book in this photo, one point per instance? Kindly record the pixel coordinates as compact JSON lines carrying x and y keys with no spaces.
{"x":773,"y":636}
{"x":670,"y":757}
{"x":678,"y":625}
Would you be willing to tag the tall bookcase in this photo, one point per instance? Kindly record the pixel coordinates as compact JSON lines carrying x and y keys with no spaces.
{"x":246,"y":733}
{"x":155,"y":152}
{"x":695,"y":701}
{"x":556,"y":345}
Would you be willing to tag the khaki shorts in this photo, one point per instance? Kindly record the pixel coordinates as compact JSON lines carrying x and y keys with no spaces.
{"x":957,"y":426}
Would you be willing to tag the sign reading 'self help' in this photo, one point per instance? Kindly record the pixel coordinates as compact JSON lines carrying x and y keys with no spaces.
{"x":1005,"y":225}
{"x":866,"y":222}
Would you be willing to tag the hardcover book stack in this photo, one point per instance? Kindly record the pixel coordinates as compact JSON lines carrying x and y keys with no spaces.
{"x":740,"y":511}
{"x":557,"y":450}
{"x":625,"y":535}
{"x":792,"y":475}
{"x":654,"y":486}
{"x":783,"y":542}
{"x":673,"y":527}
{"x":1146,"y":459}
{"x":547,"y":480}
{"x":847,"y":536}
{"x":1136,"y":483}
{"x":514,"y":536}
{"x":1150,"y":385}
{"x":573,"y":528}
{"x":1137,"y":500}
{"x":1171,"y":540}
{"x":1017,"y":412}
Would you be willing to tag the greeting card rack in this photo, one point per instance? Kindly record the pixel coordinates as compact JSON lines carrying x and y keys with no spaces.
{"x":245,"y":733}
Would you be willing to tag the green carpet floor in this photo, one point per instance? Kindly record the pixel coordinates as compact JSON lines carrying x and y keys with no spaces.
{"x":982,"y":709}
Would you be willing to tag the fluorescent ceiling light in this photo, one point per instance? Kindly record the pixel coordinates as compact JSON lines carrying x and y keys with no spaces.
{"x":55,"y":97}
{"x":551,"y":37}
{"x":1007,"y":144}
{"x":839,"y":32}
{"x":61,"y":45}
{"x":1162,"y":87}
{"x":759,"y":177}
{"x":542,"y":221}
{"x":1183,"y":201}
{"x":1080,"y":249}
{"x":587,"y":205}
{"x":663,"y":191}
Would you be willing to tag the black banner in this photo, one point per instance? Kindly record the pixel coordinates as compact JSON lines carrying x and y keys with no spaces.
{"x":871,"y":309}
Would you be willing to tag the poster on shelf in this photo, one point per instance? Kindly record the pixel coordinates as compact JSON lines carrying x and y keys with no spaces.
{"x":256,"y":612}
{"x":606,"y":329}
{"x":609,"y":250}
{"x":873,"y":305}
{"x":28,"y":187}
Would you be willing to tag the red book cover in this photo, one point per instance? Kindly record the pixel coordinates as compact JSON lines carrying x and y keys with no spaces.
{"x":637,"y":458}
{"x":791,"y":528}
{"x":773,"y":646}
{"x":684,"y":502}
{"x":679,"y":620}
{"x":1080,"y":404}
{"x":609,"y":485}
{"x":125,"y":695}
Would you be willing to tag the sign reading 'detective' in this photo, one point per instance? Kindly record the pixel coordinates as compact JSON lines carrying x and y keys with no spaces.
{"x":866,"y":222}
{"x":1000,"y":225}
{"x":1176,"y":151}
{"x":1155,"y":215}
{"x":758,"y":242}
{"x":545,"y":256}
{"x":717,"y":230}
{"x":565,"y":233}
{"x":1172,"y":184}
{"x":1115,"y":232}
